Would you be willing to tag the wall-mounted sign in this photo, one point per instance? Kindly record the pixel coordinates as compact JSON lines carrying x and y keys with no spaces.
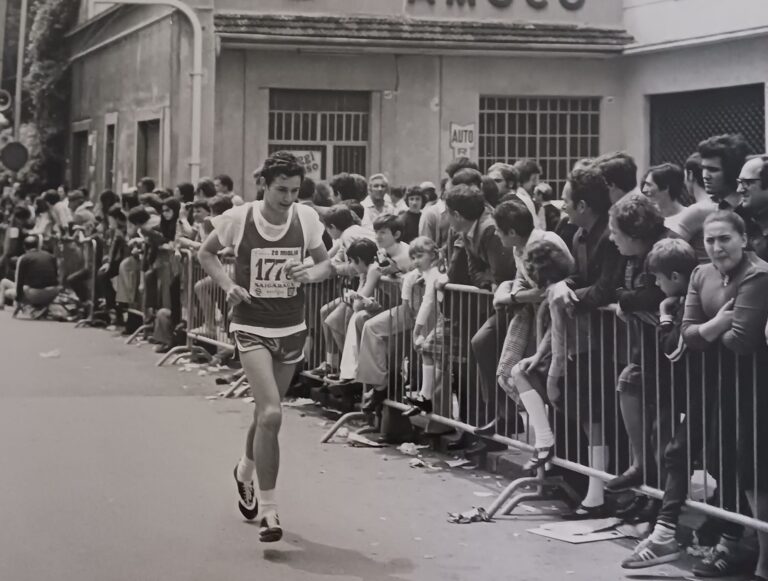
{"x":462,"y":139}
{"x":312,"y":160}
{"x":535,"y":4}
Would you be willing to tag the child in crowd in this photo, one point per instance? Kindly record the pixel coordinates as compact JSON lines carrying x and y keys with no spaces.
{"x":393,"y":254}
{"x":515,"y":228}
{"x":344,"y":229}
{"x":415,"y":200}
{"x":672,"y":262}
{"x":536,"y":378}
{"x":426,"y":256}
{"x":362,"y":257}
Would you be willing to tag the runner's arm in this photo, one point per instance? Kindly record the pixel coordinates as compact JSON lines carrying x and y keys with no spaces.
{"x":320,"y":270}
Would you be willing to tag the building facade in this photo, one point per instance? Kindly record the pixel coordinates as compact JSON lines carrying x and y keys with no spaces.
{"x":403,"y":86}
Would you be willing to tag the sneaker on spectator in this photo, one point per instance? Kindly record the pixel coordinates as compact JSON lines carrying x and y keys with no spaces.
{"x":270,"y":530}
{"x":719,"y":563}
{"x":247,"y":501}
{"x":648,"y":553}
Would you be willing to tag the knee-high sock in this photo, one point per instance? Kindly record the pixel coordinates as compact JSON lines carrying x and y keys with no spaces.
{"x":427,"y":381}
{"x":598,"y":459}
{"x":537,"y":413}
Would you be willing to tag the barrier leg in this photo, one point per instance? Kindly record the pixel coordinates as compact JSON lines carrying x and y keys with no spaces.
{"x":512,"y":495}
{"x":231,"y":391}
{"x":136,"y":333}
{"x":240,"y":391}
{"x":180,"y":349}
{"x":339,"y":423}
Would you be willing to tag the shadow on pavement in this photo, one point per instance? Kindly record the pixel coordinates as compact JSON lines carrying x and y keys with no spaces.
{"x":322,"y":559}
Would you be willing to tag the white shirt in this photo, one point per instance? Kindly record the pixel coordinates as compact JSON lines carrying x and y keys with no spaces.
{"x":371,"y":212}
{"x":526,"y":199}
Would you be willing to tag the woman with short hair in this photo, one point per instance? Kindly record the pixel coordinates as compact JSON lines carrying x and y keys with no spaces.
{"x":725,"y":316}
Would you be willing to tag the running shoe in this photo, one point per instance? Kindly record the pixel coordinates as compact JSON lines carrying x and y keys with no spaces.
{"x":247,"y":501}
{"x":649,"y":554}
{"x":270,"y":530}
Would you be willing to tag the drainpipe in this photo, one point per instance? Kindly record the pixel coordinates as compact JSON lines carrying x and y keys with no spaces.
{"x":196,"y":73}
{"x":20,"y":70}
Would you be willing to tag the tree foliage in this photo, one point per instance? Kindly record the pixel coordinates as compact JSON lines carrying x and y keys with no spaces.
{"x":47,"y":86}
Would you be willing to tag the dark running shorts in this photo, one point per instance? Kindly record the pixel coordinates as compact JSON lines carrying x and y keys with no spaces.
{"x":286,"y":350}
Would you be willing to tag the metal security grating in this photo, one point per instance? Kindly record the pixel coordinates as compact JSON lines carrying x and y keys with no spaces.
{"x":679,"y":121}
{"x":553,"y":130}
{"x":335,"y":124}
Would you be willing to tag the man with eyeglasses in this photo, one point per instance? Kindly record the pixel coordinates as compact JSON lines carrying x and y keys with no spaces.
{"x":753,"y":189}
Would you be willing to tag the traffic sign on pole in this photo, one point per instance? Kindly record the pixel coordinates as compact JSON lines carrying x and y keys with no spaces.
{"x":14,"y":156}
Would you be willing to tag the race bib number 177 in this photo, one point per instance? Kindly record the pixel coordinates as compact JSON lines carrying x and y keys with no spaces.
{"x":268,"y":277}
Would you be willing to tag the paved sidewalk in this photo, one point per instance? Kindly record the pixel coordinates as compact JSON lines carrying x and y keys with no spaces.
{"x":112,"y":471}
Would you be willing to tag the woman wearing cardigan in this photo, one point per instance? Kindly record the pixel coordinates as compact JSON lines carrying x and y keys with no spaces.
{"x":725,"y":316}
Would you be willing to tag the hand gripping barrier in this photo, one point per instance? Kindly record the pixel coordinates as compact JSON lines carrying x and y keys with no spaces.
{"x":686,"y":413}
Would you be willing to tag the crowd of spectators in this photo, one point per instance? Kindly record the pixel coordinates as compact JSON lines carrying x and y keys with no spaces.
{"x":678,"y":257}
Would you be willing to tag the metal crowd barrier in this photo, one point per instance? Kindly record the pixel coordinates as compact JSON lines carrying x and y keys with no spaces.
{"x":713,"y":399}
{"x":139,"y":307}
{"x":206,"y":312}
{"x":89,"y":246}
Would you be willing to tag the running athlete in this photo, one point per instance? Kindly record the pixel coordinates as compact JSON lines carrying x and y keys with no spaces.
{"x":270,"y":238}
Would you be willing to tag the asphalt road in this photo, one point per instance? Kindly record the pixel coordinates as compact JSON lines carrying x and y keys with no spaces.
{"x":113,"y":469}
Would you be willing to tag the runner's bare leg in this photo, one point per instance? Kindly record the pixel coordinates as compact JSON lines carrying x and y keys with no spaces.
{"x":269,"y":382}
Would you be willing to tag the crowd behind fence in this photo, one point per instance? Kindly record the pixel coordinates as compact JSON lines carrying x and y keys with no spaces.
{"x":696,"y":412}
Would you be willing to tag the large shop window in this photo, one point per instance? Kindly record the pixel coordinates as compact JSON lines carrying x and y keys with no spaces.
{"x":148,"y":150}
{"x":79,"y":159}
{"x":679,"y":121}
{"x":327,"y":130}
{"x":555,"y":131}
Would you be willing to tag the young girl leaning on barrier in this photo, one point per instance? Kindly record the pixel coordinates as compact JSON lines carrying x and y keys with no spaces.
{"x":536,"y":379}
{"x":425,"y":255}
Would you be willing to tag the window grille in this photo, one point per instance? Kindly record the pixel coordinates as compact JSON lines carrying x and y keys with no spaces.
{"x":555,"y":131}
{"x":335,"y":123}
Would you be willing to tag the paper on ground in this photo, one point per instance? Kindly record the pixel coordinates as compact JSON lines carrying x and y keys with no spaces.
{"x":586,"y":531}
{"x":298,"y":402}
{"x":358,"y":440}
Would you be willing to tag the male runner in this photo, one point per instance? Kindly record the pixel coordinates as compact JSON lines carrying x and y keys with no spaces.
{"x":270,"y":238}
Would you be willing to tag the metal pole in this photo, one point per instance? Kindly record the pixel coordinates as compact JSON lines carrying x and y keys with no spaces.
{"x":196,"y":73}
{"x":3,"y":11}
{"x":20,"y":69}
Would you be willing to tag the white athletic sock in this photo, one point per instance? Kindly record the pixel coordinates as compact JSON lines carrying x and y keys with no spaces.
{"x":537,"y":413}
{"x":427,"y":381}
{"x":245,"y":469}
{"x":598,"y":459}
{"x":663,"y":533}
{"x":268,"y":501}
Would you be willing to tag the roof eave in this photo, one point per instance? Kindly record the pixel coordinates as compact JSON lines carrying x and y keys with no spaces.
{"x":291,"y":43}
